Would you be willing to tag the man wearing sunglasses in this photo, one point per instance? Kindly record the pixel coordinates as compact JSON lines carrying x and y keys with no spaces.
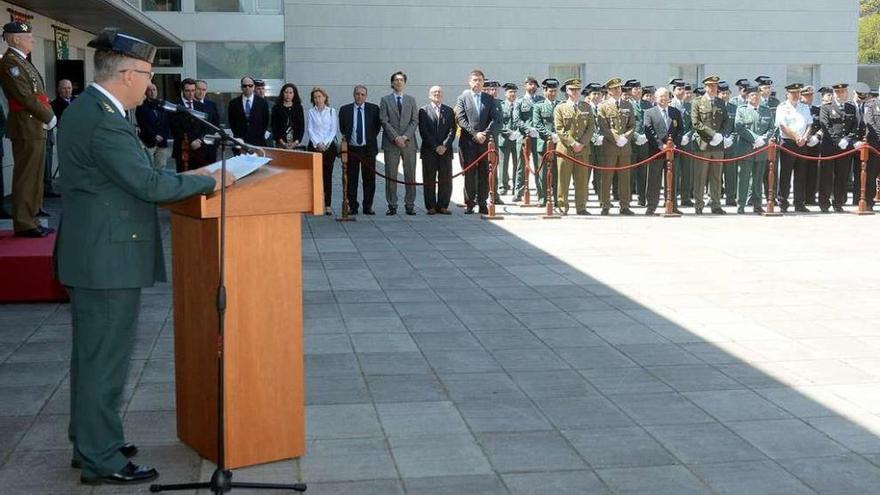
{"x":249,"y":115}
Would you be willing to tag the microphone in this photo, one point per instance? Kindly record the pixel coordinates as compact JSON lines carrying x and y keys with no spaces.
{"x":172,"y":107}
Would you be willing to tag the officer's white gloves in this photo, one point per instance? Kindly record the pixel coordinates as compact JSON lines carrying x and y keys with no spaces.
{"x":859,"y":144}
{"x":813,"y":141}
{"x":555,"y":138}
{"x":52,"y":123}
{"x":686,"y":139}
{"x":621,"y":141}
{"x":843,"y":144}
{"x":597,"y":139}
{"x":716,"y":139}
{"x":533,"y":132}
{"x":759,"y":142}
{"x":641,"y":139}
{"x":728,"y":142}
{"x":267,"y":135}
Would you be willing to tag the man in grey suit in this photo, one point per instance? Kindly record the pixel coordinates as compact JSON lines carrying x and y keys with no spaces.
{"x":399,"y":116}
{"x":475,"y":115}
{"x":662,"y":122}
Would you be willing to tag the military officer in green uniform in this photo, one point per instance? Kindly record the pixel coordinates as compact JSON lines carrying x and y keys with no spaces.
{"x":765,"y":88}
{"x":30,"y":116}
{"x":754,"y":125}
{"x":109,"y":247}
{"x":683,"y":167}
{"x":542,"y":121}
{"x":522,"y":115}
{"x":708,"y":119}
{"x":741,"y":86}
{"x":729,"y":170}
{"x":574,"y":125}
{"x":632,"y":92}
{"x":594,"y":94}
{"x":508,"y":139}
{"x":618,"y":124}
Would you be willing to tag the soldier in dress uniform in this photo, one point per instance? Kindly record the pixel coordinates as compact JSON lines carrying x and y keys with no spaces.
{"x":683,"y":168}
{"x":768,"y":97}
{"x":30,"y":116}
{"x":741,"y":86}
{"x":729,"y":170}
{"x":617,"y":122}
{"x":109,"y":247}
{"x":754,"y":126}
{"x":542,"y":122}
{"x":509,"y":140}
{"x":574,"y":124}
{"x":811,"y":187}
{"x":709,"y":119}
{"x":840,"y":132}
{"x":632,"y":92}
{"x":522,"y":115}
{"x":593,"y":94}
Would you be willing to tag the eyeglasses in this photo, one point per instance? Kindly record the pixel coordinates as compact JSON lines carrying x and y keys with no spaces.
{"x":247,"y":85}
{"x":145,"y":72}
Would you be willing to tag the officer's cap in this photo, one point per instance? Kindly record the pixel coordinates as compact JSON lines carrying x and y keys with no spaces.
{"x":794,"y":87}
{"x":111,"y":40}
{"x":750,"y":89}
{"x":862,"y":88}
{"x":840,"y":86}
{"x":677,"y":82}
{"x":572,"y":83}
{"x":825,"y":90}
{"x":492,"y":84}
{"x":808,"y":90}
{"x":713,"y":79}
{"x":259,"y":83}
{"x":875,"y":93}
{"x":530,"y":79}
{"x":632,"y":83}
{"x":614,"y":82}
{"x":700,"y":91}
{"x":688,"y":87}
{"x":649,"y":89}
{"x":510,"y":86}
{"x":742,"y":83}
{"x":723,"y":86}
{"x":549,"y":83}
{"x":763,"y":80}
{"x":592,"y":88}
{"x":16,"y":27}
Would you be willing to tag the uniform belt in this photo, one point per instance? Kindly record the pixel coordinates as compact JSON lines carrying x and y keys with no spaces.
{"x":17,"y":106}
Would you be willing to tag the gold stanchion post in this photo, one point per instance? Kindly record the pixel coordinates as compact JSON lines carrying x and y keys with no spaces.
{"x":493,"y":181}
{"x":863,"y":203}
{"x":669,"y":204}
{"x":771,"y":181}
{"x":343,"y":150}
{"x":550,"y":214}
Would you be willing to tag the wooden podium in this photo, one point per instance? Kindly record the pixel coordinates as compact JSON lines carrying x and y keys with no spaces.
{"x":264,"y":390}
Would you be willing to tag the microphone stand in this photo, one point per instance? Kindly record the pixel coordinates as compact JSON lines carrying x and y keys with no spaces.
{"x":221,"y":479}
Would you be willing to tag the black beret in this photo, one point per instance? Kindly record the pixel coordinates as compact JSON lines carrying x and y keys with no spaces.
{"x":16,"y":27}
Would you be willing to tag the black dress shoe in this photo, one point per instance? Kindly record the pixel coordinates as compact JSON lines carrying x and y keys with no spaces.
{"x":498,"y":201}
{"x":352,"y":212}
{"x":698,"y":211}
{"x":802,"y":209}
{"x":650,"y":212}
{"x":391,"y":211}
{"x":741,"y":210}
{"x":129,"y":475}
{"x":46,"y":230}
{"x":445,"y":211}
{"x":484,"y":210}
{"x":758,"y":210}
{"x":687,"y":202}
{"x":626,"y":212}
{"x":431,"y":211}
{"x":583,"y":212}
{"x":605,"y":211}
{"x":410,"y":210}
{"x":838,"y":209}
{"x":730,"y":202}
{"x":43,"y":213}
{"x":369,"y":212}
{"x":469,"y":210}
{"x":129,"y":450}
{"x":34,"y":233}
{"x":718,"y":211}
{"x":824,"y":209}
{"x":517,"y":199}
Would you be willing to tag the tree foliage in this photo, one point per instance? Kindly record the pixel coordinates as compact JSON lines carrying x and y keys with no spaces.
{"x":869,"y":39}
{"x":868,"y":7}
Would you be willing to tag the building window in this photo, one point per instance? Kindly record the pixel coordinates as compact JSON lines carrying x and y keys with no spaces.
{"x":161,"y":5}
{"x":563,"y":72}
{"x":689,"y":73}
{"x":240,"y":6}
{"x":804,"y":74}
{"x":169,"y":57}
{"x":218,"y":60}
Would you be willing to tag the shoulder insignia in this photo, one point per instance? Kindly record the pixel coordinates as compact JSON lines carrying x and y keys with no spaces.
{"x":107,"y":107}
{"x":14,"y":71}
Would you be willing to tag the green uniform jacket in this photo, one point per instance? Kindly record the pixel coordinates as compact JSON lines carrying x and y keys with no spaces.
{"x":542,"y":121}
{"x":574,"y":123}
{"x":752,"y":124}
{"x":522,"y":112}
{"x":731,"y":118}
{"x":23,"y":83}
{"x":508,"y":124}
{"x":496,"y":127}
{"x":615,"y":121}
{"x":708,"y":117}
{"x":109,"y":233}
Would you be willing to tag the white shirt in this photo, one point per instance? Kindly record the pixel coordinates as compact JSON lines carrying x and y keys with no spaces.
{"x":116,"y":103}
{"x":796,"y":118}
{"x":16,"y":50}
{"x":322,"y":126}
{"x":353,"y":138}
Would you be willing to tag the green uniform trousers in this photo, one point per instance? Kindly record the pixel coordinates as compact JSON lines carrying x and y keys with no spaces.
{"x":519,"y":180}
{"x":751,"y":180}
{"x":707,"y":172}
{"x":614,"y":159}
{"x":729,"y":175}
{"x":104,"y":323}
{"x":639,"y":177}
{"x":29,"y":156}
{"x":510,"y":152}
{"x":567,"y":171}
{"x":684,"y":174}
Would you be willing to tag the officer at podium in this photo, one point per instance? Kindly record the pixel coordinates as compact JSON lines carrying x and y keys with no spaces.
{"x":109,"y":247}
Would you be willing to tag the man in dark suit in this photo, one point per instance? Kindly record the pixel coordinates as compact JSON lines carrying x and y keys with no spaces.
{"x":437,"y":129}
{"x":153,"y":129}
{"x":839,"y":126}
{"x":661,"y":122}
{"x":475,"y":115}
{"x":189,"y":150}
{"x":249,"y":115}
{"x":64,"y":91}
{"x":213,"y":116}
{"x":359,"y":125}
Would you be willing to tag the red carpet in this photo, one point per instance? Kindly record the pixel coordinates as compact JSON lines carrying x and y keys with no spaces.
{"x":26,"y":272}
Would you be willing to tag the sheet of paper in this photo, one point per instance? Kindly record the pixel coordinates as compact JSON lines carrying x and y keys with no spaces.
{"x":242,"y":165}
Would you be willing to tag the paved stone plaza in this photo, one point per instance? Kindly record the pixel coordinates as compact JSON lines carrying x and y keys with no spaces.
{"x":587,"y":355}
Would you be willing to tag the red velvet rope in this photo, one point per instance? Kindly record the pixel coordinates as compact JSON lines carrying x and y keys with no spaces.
{"x":463,"y":171}
{"x":608,"y":169}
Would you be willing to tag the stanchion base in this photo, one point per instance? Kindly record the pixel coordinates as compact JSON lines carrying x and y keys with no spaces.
{"x":491,"y":217}
{"x":531,"y":205}
{"x":773,"y":214}
{"x":551,"y":217}
{"x":867,"y":212}
{"x":671,"y":215}
{"x":346,"y":219}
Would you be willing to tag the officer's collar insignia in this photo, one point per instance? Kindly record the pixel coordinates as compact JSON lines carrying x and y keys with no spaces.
{"x":14,"y":71}
{"x":107,"y":107}
{"x":674,"y":123}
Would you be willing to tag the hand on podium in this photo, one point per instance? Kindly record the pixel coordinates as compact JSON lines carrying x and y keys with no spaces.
{"x":230,"y":179}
